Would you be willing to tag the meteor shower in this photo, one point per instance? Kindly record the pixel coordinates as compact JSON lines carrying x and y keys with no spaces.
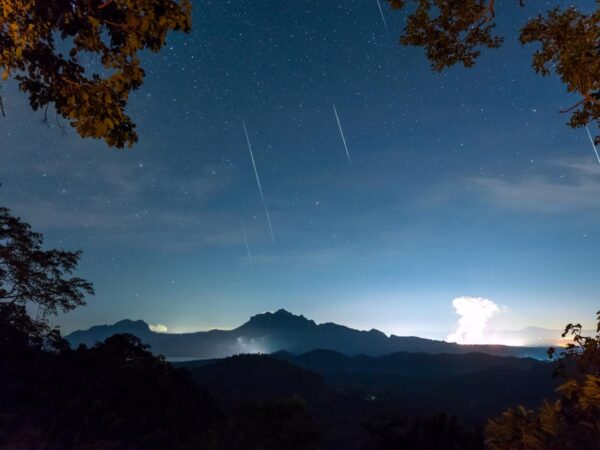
{"x":299,"y":225}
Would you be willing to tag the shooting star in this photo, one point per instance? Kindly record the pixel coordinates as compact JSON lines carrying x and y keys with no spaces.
{"x":246,"y":243}
{"x":342,"y":134}
{"x":260,"y":190}
{"x":593,"y":144}
{"x":383,"y":18}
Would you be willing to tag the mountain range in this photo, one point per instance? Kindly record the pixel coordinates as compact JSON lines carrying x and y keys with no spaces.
{"x":283,"y":331}
{"x":472,"y":386}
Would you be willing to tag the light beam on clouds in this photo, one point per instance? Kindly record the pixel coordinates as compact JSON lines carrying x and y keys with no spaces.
{"x":474,"y":314}
{"x":250,"y":345}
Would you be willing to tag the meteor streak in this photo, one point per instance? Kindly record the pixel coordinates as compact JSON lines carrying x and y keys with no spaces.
{"x":593,"y":144}
{"x":262,"y":197}
{"x":383,"y":18}
{"x":342,"y":134}
{"x":246,"y":243}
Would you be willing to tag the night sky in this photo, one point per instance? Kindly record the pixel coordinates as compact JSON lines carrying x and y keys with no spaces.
{"x":465,"y":183}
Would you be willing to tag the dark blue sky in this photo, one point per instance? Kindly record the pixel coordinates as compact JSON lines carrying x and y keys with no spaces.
{"x":465,"y":183}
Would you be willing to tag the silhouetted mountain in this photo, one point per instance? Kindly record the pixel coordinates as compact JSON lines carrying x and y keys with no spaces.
{"x":244,"y":379}
{"x":258,"y":377}
{"x":472,"y":386}
{"x":99,"y":333}
{"x":282,"y":330}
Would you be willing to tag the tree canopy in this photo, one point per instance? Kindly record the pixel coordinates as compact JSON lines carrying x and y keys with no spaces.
{"x":43,"y":45}
{"x":31,"y":277}
{"x":456,"y":31}
{"x":571,"y":421}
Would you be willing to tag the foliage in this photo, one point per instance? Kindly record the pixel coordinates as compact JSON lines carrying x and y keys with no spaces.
{"x":45,"y":46}
{"x":33,"y":277}
{"x":572,"y":421}
{"x":439,"y":432}
{"x":451,"y":31}
{"x":273,"y":425}
{"x":570,"y":45}
{"x":118,"y":395}
{"x":584,"y":351}
{"x":115,"y":395}
{"x":455,"y":31}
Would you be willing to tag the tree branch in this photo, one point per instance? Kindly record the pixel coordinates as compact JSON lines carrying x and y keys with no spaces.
{"x":487,"y":15}
{"x":572,"y":107}
{"x":105,"y":4}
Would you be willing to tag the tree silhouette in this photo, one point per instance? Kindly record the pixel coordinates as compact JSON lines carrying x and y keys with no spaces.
{"x":42,"y":43}
{"x":455,"y":31}
{"x":272,"y":425}
{"x":572,"y":421}
{"x":114,"y":395}
{"x":31,"y":277}
{"x":439,"y":432}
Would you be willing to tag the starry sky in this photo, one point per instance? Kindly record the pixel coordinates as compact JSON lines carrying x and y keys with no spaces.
{"x":464,"y":183}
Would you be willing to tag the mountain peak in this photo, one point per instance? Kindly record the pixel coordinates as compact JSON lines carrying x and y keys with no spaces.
{"x":127,"y":322}
{"x":279,"y":318}
{"x":99,"y":333}
{"x":131,"y":326}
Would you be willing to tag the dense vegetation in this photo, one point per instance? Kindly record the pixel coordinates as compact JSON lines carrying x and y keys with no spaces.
{"x":573,"y":420}
{"x":114,"y":395}
{"x":45,"y":44}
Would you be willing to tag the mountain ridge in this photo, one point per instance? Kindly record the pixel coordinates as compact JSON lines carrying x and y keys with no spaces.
{"x":473,"y":386}
{"x":271,"y":332}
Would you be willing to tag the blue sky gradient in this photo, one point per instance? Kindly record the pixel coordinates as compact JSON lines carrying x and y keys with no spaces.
{"x":461,"y":183}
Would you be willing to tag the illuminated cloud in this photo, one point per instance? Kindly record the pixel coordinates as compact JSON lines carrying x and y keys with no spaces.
{"x":158,"y":328}
{"x":474,"y":314}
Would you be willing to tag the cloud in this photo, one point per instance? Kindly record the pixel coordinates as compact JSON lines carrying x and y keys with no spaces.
{"x":114,"y":200}
{"x":570,"y":185}
{"x":474,"y":314}
{"x":158,"y":327}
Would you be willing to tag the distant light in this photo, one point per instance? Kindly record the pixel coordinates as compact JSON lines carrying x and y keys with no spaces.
{"x":158,"y":328}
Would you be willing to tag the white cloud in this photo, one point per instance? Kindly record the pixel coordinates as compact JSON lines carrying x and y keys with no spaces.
{"x":158,"y":328}
{"x":474,"y":314}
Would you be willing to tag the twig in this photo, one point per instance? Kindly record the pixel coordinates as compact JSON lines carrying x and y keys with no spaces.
{"x":572,"y":107}
{"x":58,"y":124}
{"x":45,"y":119}
{"x":488,"y":14}
{"x":491,"y":9}
{"x":105,"y":4}
{"x":121,"y":26}
{"x":74,"y":83}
